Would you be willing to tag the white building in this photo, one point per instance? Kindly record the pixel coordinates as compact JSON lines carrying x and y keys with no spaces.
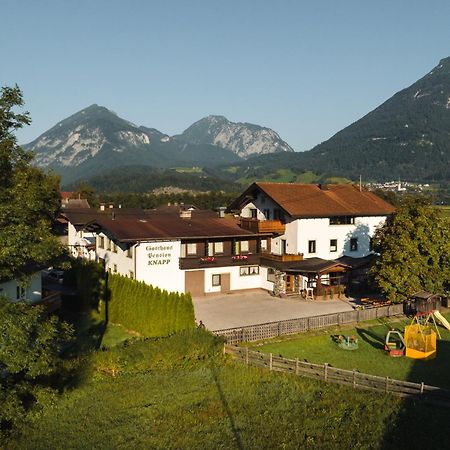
{"x":287,"y":237}
{"x":31,"y":290}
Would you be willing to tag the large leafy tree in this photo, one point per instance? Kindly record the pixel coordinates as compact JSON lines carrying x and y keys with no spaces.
{"x":414,"y":247}
{"x":29,"y":199}
{"x":30,"y":344}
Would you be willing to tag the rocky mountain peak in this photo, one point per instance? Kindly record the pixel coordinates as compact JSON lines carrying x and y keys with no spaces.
{"x":244,"y":139}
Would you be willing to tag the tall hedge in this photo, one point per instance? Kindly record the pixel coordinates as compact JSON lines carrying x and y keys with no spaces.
{"x":148,"y":310}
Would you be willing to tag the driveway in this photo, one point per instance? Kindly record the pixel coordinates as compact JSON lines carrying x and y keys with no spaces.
{"x":250,"y":308}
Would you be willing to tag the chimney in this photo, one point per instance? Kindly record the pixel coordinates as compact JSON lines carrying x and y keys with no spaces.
{"x":113,"y":216}
{"x":111,"y":206}
{"x":102,"y":206}
{"x":221,"y":211}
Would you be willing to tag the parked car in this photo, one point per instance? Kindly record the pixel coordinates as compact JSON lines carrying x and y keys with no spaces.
{"x":54,"y":275}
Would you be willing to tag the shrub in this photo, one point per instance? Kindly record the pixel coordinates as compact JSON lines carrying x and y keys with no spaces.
{"x":150,"y":311}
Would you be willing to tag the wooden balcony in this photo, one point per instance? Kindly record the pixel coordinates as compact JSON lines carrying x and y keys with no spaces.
{"x":283,"y":258}
{"x":219,"y":261}
{"x":263,"y":226}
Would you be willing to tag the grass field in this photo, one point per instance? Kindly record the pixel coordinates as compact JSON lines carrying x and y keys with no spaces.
{"x":181,"y":393}
{"x":370,"y":357}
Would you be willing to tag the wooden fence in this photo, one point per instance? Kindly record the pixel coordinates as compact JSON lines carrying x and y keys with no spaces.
{"x":331,"y":374}
{"x":269,"y":330}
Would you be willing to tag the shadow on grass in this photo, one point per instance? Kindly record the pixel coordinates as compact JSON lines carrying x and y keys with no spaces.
{"x":226,"y":407}
{"x":371,"y":338}
{"x":419,"y":424}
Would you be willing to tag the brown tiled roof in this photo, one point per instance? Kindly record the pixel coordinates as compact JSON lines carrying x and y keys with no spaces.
{"x":202,"y":224}
{"x":308,"y":265}
{"x":82,"y":216}
{"x":312,"y":200}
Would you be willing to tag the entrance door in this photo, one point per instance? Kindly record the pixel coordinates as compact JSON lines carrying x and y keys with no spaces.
{"x":289,"y":283}
{"x":195,"y":282}
{"x":225,"y":283}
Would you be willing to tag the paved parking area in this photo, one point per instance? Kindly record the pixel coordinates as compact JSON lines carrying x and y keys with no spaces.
{"x":236,"y":310}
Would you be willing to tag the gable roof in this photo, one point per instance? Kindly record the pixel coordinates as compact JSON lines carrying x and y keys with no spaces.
{"x":315,"y":200}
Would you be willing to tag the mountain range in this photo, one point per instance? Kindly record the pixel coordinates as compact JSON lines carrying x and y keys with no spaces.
{"x":95,"y":141}
{"x":406,"y":137}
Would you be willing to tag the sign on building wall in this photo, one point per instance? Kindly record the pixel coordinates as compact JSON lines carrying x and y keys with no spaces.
{"x":157,"y":263}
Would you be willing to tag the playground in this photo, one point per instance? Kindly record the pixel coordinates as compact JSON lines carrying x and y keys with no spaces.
{"x":371,"y":352}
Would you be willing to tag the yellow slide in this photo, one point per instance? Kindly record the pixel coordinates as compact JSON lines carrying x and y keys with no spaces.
{"x":442,"y":319}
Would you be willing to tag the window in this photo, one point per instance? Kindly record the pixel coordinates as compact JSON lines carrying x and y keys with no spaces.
{"x":108,"y":244}
{"x":216,"y":280}
{"x":244,"y":246}
{"x":278,"y":214}
{"x":283,"y":246}
{"x":191,"y":249}
{"x":271,"y":275}
{"x":218,"y":247}
{"x":254,"y":213}
{"x":263,"y":245}
{"x":342,"y":220}
{"x":249,"y":270}
{"x":266,"y":213}
{"x":101,"y":242}
{"x":115,"y":268}
{"x":131,"y":274}
{"x":129,"y":252}
{"x":113,"y":247}
{"x":20,"y":293}
{"x":354,"y":244}
{"x":311,"y":246}
{"x":333,"y":245}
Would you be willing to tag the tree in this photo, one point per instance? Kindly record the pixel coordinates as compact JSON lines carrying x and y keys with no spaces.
{"x":29,"y":200}
{"x":30,"y":345}
{"x":414,"y":247}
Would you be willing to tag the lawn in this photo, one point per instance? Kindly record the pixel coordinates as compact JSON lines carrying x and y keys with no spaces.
{"x":182,"y":393}
{"x":370,"y":357}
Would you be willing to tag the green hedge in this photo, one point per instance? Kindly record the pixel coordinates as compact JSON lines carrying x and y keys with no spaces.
{"x":148,"y":310}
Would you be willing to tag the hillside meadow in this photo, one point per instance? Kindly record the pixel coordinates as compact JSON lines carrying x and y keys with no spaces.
{"x":181,"y":392}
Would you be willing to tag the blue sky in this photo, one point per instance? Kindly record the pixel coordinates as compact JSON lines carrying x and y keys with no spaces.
{"x":305,"y":69}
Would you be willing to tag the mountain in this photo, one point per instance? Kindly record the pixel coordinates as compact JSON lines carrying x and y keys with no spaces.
{"x":244,"y":139}
{"x":96,"y":140}
{"x":408,"y":136}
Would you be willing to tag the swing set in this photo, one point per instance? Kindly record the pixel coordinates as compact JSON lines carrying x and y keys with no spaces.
{"x":420,"y":338}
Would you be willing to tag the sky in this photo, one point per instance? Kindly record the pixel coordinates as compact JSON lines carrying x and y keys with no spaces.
{"x":306,"y":69}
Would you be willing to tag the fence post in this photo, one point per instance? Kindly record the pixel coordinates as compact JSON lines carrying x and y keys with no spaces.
{"x":386,"y":386}
{"x":357,"y":316}
{"x":246,"y":355}
{"x":325,"y":371}
{"x":297,"y":368}
{"x":421,"y":387}
{"x":270,"y":362}
{"x":376,"y":312}
{"x":354,"y":379}
{"x":339,"y":319}
{"x":279,"y":328}
{"x":307,"y":325}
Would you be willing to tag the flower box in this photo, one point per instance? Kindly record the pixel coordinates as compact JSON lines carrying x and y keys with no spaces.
{"x":208,"y":259}
{"x":240,"y":258}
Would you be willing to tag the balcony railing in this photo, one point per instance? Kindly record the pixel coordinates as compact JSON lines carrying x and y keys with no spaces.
{"x":263,"y":226}
{"x":219,"y":261}
{"x":283,"y":258}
